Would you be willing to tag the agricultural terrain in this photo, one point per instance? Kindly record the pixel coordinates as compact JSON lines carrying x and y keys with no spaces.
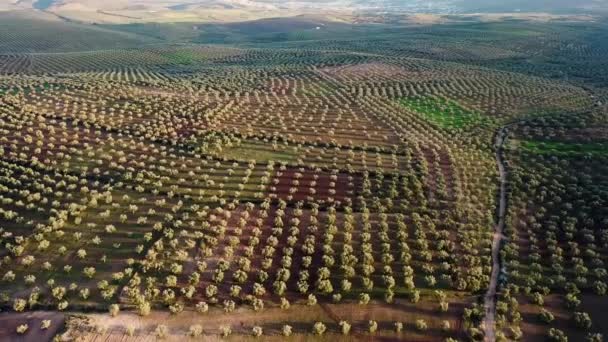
{"x":302,"y":178}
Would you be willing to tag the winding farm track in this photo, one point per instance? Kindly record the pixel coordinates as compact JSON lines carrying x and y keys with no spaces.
{"x":489,"y":322}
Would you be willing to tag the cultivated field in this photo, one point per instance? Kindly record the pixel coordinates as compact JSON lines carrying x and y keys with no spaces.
{"x":301,"y":184}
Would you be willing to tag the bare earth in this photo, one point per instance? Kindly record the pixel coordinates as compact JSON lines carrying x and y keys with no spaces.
{"x":490,"y":298}
{"x":102,"y":327}
{"x":10,"y":321}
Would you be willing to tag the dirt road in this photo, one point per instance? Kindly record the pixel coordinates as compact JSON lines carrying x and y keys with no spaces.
{"x":490,"y":297}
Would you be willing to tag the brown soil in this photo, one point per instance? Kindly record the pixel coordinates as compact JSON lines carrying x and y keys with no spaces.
{"x":301,"y":318}
{"x":322,"y":187}
{"x":10,"y":321}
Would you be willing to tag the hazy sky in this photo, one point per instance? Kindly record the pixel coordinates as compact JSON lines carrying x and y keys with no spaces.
{"x":434,"y":6}
{"x":532,"y":5}
{"x":494,"y":5}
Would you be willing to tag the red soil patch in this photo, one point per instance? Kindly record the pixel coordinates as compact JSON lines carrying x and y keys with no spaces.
{"x":339,"y":191}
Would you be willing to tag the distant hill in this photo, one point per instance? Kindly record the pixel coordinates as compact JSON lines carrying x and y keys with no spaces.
{"x":142,"y":11}
{"x":551,"y":6}
{"x":47,"y":33}
{"x":268,"y":30}
{"x":221,"y":11}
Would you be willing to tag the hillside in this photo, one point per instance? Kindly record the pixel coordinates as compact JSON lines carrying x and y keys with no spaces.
{"x":28,"y":31}
{"x":218,"y":11}
{"x":122,"y":11}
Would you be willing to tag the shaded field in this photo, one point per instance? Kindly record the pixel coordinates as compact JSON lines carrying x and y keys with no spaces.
{"x":565,"y":148}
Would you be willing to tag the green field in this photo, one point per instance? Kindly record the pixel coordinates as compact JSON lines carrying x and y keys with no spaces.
{"x":565,"y":148}
{"x":443,"y":112}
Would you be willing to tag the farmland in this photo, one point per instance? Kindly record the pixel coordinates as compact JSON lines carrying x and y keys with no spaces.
{"x":319,"y":180}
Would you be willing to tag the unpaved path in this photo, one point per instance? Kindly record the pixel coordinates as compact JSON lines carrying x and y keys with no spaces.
{"x":490,"y":298}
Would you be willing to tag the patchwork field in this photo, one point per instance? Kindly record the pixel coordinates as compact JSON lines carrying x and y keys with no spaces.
{"x":337,"y":187}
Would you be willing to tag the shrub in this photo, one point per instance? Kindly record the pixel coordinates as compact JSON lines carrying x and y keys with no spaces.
{"x":257,"y":331}
{"x":546,"y":316}
{"x":421,"y":325}
{"x":582,"y":320}
{"x":45,"y":324}
{"x":161,"y":331}
{"x":284,"y":303}
{"x":516,"y":333}
{"x":538,"y":299}
{"x":143,"y":308}
{"x":130,"y":330}
{"x":114,"y":310}
{"x":415,"y":296}
{"x":599,"y":288}
{"x":19,"y":304}
{"x":572,"y":301}
{"x":556,"y":335}
{"x":594,"y":337}
{"x":364,"y":298}
{"x":312,"y":300}
{"x":225,"y":330}
{"x":445,"y":325}
{"x":319,"y":328}
{"x":372,"y":326}
{"x":286,"y":330}
{"x":195,"y":330}
{"x":21,"y":329}
{"x":344,"y":327}
{"x":202,"y":307}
